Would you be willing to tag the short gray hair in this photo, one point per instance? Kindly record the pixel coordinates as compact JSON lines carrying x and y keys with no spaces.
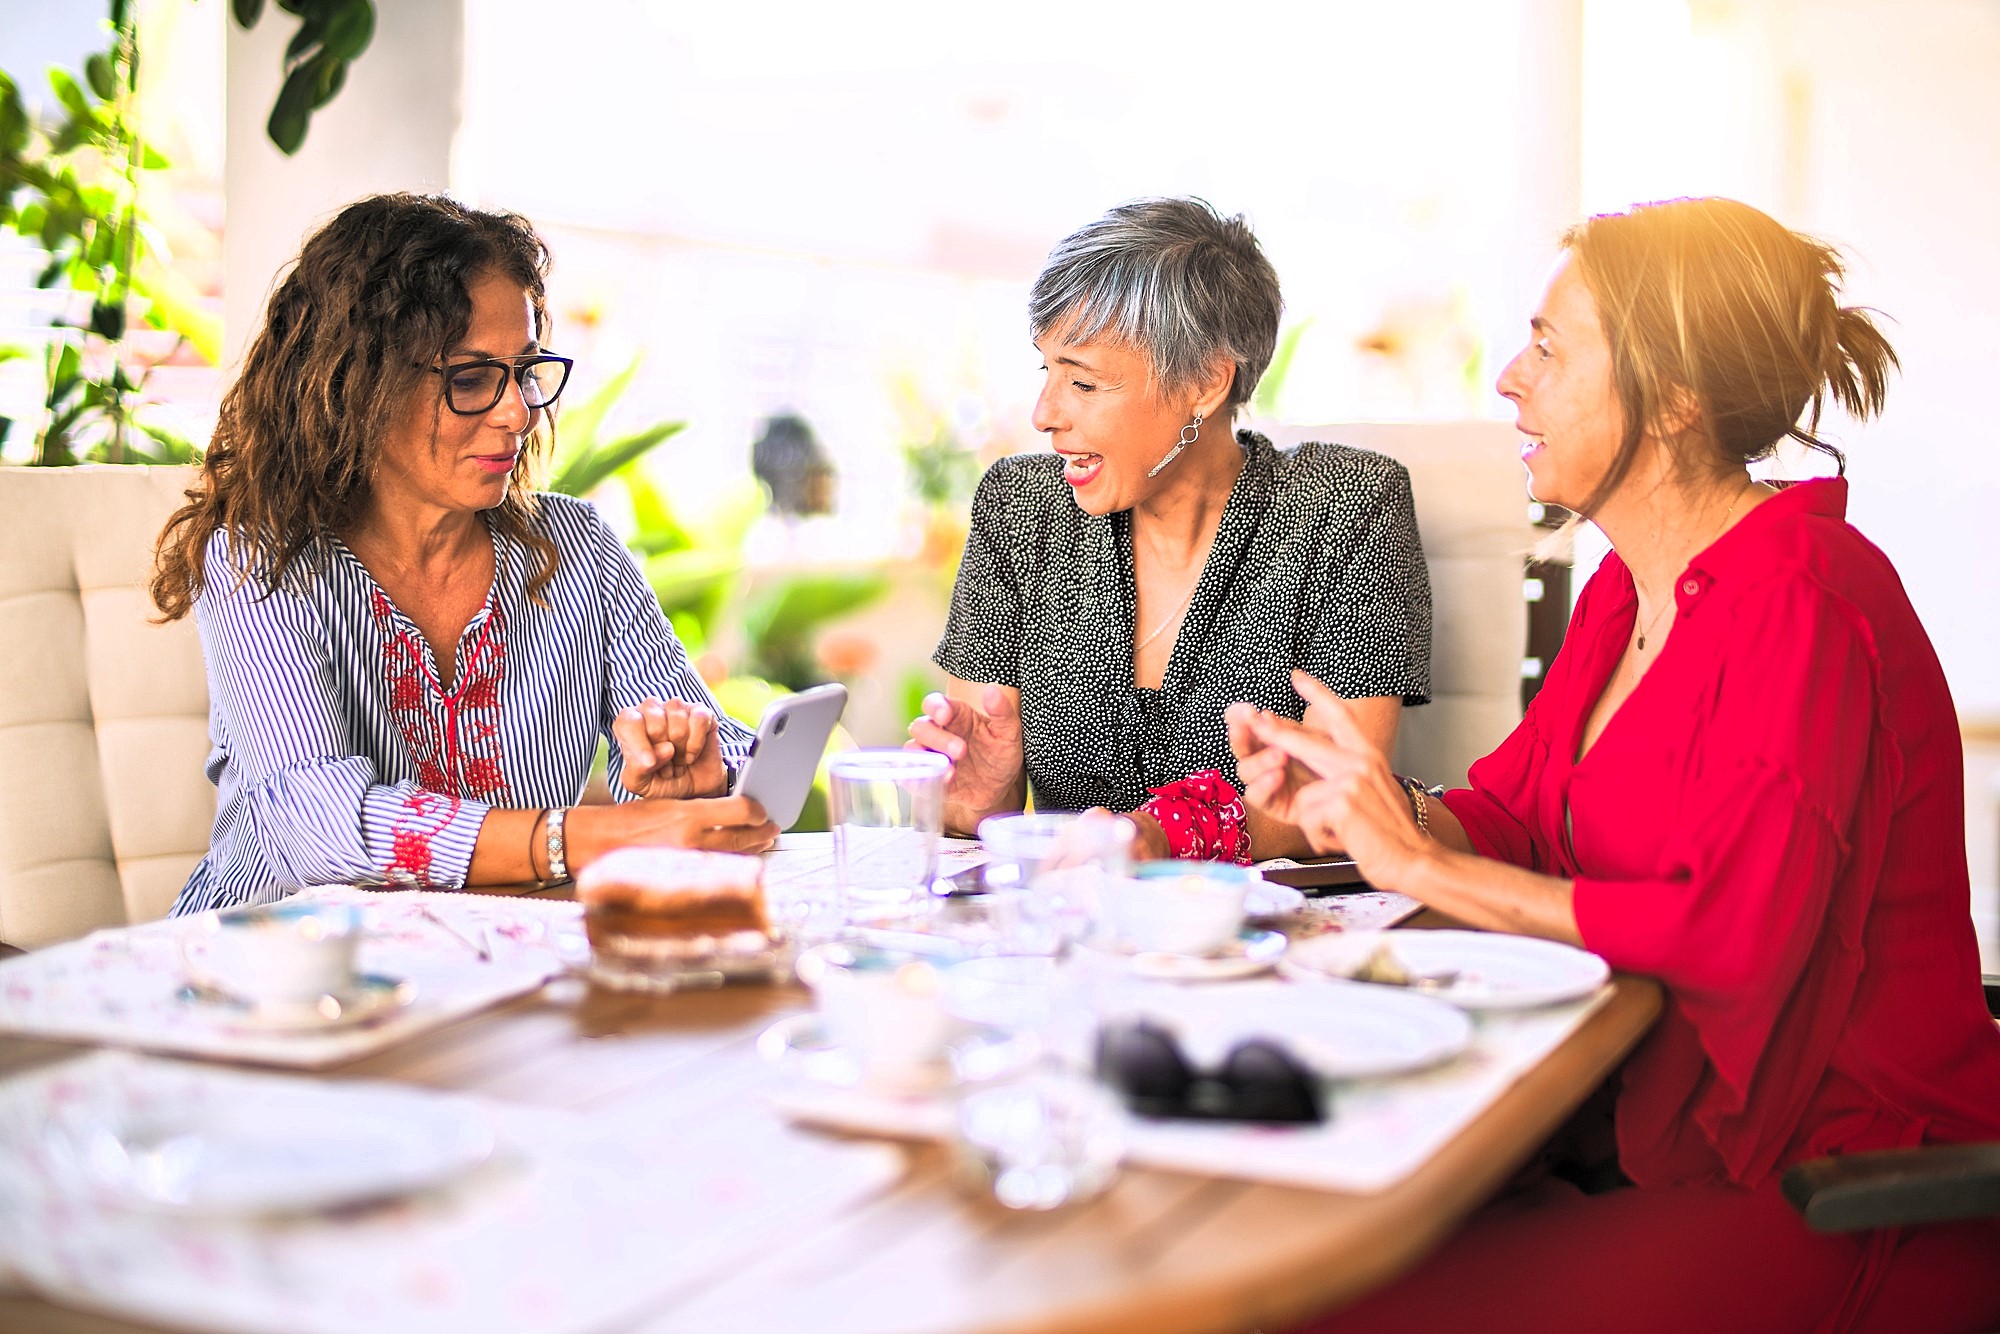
{"x":1171,"y":277}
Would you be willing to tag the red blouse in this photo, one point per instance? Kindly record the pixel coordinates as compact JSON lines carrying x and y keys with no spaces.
{"x":1773,"y":824}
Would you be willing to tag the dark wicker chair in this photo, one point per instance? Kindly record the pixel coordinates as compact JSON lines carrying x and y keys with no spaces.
{"x":1900,"y":1187}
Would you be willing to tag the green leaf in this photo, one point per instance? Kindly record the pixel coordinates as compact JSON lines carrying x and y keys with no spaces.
{"x":793,"y":609}
{"x":332,"y":78}
{"x":681,"y":578}
{"x":107,"y":320}
{"x":659,"y":531}
{"x":590,"y":470}
{"x":287,"y":126}
{"x":98,"y":73}
{"x":349,"y":30}
{"x":305,"y":39}
{"x":1272,"y":387}
{"x":247,"y":12}
{"x":580,"y":422}
{"x":151,"y":159}
{"x":70,"y":95}
{"x":175,"y":305}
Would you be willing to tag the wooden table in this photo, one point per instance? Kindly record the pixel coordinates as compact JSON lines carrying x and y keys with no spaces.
{"x":1162,"y":1252}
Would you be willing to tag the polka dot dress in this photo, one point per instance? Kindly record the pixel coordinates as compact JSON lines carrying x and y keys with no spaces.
{"x":1316,"y":565}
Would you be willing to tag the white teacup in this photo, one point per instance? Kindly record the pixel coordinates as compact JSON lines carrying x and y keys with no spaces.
{"x":1176,"y":907}
{"x":884,"y":1006}
{"x":278,"y":953}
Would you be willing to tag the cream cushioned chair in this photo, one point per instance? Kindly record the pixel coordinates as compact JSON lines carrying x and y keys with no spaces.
{"x":1472,"y":512}
{"x":104,"y":809}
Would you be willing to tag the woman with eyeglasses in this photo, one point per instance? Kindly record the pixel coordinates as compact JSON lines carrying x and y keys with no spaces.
{"x":1743,"y":777}
{"x":412,"y":655}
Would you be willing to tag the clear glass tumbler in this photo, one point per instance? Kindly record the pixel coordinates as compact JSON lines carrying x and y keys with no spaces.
{"x":1044,"y":874}
{"x":888,"y":812}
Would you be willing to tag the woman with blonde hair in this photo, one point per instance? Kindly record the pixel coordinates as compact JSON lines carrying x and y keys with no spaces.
{"x":1743,"y":777}
{"x":412,"y":655}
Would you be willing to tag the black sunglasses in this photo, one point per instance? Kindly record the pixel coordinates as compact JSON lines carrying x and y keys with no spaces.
{"x":1257,"y":1081}
{"x":472,"y":388}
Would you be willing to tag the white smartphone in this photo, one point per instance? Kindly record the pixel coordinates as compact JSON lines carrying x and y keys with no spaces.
{"x":785,"y":754}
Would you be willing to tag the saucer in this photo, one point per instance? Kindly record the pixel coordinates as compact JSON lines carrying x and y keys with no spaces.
{"x":978,"y":1054}
{"x":1253,"y":951}
{"x":371,"y":997}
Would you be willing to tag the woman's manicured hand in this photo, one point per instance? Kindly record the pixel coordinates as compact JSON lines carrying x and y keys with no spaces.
{"x":669,"y":749}
{"x":983,"y":744}
{"x":714,"y":824}
{"x":1334,"y":783}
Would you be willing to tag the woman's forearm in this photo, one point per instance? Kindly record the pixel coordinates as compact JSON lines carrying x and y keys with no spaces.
{"x":1488,"y":894}
{"x":509,"y":850}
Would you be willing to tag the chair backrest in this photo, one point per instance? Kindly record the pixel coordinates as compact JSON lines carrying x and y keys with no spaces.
{"x":1472,"y":512}
{"x":104,"y":809}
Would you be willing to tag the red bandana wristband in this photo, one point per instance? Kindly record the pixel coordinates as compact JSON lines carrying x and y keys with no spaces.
{"x":1203,"y":818}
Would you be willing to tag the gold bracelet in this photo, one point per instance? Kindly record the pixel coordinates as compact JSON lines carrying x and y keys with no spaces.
{"x":1419,"y":796}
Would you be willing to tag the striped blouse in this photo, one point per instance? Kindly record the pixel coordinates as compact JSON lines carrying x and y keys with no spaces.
{"x":337,"y":757}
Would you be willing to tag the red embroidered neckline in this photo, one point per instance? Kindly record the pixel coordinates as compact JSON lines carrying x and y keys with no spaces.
{"x":457,"y":755}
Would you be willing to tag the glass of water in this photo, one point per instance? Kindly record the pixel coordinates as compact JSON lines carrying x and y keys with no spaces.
{"x":888,"y":812}
{"x":1044,"y":874}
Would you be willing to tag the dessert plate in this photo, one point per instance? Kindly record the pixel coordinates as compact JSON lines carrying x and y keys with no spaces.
{"x":1253,"y":951}
{"x":294,"y":1150}
{"x":1474,"y":970}
{"x":979,"y":1053}
{"x":1341,"y":1030}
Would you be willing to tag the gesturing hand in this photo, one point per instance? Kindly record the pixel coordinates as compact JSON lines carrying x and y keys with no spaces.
{"x":983,"y":744}
{"x":1334,"y":784}
{"x":669,"y":749}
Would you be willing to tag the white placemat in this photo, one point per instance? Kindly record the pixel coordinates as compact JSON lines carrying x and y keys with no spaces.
{"x":120,"y":986}
{"x":799,"y":876}
{"x":577,"y":1224}
{"x":1381,"y":1130}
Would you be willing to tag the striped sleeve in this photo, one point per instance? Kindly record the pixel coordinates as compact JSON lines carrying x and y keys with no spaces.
{"x":310,"y":803}
{"x":643,"y":656}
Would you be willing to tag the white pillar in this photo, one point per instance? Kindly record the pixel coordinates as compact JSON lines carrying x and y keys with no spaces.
{"x":390,"y":128}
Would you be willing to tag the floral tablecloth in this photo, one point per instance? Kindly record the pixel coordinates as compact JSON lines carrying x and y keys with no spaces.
{"x":121,"y":986}
{"x":578,"y":1222}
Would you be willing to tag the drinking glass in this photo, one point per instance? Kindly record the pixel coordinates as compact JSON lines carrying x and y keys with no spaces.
{"x":1047,"y":1141}
{"x":888,"y":812}
{"x":1044,"y":874}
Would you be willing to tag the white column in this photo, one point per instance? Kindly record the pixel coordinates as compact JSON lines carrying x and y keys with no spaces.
{"x":390,"y":128}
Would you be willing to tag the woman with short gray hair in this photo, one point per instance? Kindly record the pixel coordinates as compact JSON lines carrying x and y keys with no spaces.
{"x":1117,"y":595}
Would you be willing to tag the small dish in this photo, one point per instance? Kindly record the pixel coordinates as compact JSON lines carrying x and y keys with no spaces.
{"x":1253,"y":951}
{"x":1474,"y":970}
{"x":371,"y":997}
{"x":977,"y":1054}
{"x":291,"y":1151}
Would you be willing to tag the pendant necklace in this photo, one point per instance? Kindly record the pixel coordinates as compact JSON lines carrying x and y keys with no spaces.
{"x":1726,"y":517}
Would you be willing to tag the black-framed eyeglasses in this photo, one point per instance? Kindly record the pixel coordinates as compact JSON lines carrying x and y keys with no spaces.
{"x":1257,"y":1081}
{"x":472,"y":388}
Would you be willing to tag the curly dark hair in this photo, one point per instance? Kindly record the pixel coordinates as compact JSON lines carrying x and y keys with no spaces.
{"x":377,"y":297}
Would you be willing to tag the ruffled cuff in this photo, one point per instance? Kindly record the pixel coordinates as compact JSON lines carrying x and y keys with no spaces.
{"x":1203,"y":818}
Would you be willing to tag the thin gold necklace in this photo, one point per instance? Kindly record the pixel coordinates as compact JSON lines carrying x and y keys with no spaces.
{"x":1728,"y":514}
{"x":1186,"y":602}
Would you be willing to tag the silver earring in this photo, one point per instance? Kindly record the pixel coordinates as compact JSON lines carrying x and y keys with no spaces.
{"x":1189,"y":434}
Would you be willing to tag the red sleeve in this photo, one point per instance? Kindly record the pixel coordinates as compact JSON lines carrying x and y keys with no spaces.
{"x":1497,"y":808}
{"x":1744,"y":892}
